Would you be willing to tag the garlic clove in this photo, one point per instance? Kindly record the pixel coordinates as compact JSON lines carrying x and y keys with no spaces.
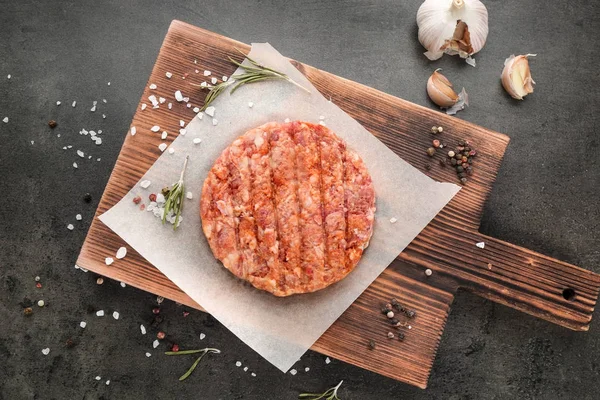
{"x":440,"y":90}
{"x":516,"y":76}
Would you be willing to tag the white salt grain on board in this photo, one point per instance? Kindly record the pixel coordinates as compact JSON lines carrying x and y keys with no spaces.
{"x":196,"y":71}
{"x":213,"y":80}
{"x":122,"y":252}
{"x":145,"y":183}
{"x":181,"y":123}
{"x":148,"y":354}
{"x":481,"y":245}
{"x":224,"y":78}
{"x":171,"y":150}
{"x":143,"y":329}
{"x":46,"y":351}
{"x":203,"y":84}
{"x":293,"y":371}
{"x":100,"y":313}
{"x":70,"y":227}
{"x":197,"y":140}
{"x":153,"y":100}
{"x":189,"y":105}
{"x":104,"y":101}
{"x":144,"y":106}
{"x":155,"y":343}
{"x":196,"y":110}
{"x":210,"y":111}
{"x":250,"y":104}
{"x":109,"y":260}
{"x":58,"y":103}
{"x":161,"y":100}
{"x":78,"y":217}
{"x":83,"y":324}
{"x":155,"y":128}
{"x":182,"y":132}
{"x":80,"y":153}
{"x":133,"y":131}
{"x":393,"y":220}
{"x":215,"y":121}
{"x":152,"y":86}
{"x":74,"y":104}
{"x":162,"y":146}
{"x":32,"y":142}
{"x":238,"y":364}
{"x":164,"y":135}
{"x":202,"y":336}
{"x":168,"y":75}
{"x":170,"y":105}
{"x":206,"y":73}
{"x":189,"y":195}
{"x":327,"y":360}
{"x":116,"y":315}
{"x":178,"y":96}
{"x":5,"y":120}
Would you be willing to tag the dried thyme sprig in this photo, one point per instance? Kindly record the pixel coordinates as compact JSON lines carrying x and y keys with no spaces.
{"x":174,"y":198}
{"x":252,"y":73}
{"x":195,"y":364}
{"x":330,"y":394}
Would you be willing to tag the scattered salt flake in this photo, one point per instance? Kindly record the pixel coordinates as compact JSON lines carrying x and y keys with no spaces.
{"x":100,"y":313}
{"x":215,"y":121}
{"x":197,"y":140}
{"x":93,"y":109}
{"x":210,"y":111}
{"x":104,"y":116}
{"x":293,"y":372}
{"x":250,"y":104}
{"x":109,"y":260}
{"x":224,"y":78}
{"x":46,"y":351}
{"x":123,"y":284}
{"x":189,"y":105}
{"x":70,"y":227}
{"x":162,"y":146}
{"x":321,"y":123}
{"x":83,"y":324}
{"x":143,"y":329}
{"x":98,"y":378}
{"x":197,"y":71}
{"x":94,"y":102}
{"x":306,"y":369}
{"x":5,"y":120}
{"x":164,"y":135}
{"x":58,"y":135}
{"x":181,"y":123}
{"x":168,"y":75}
{"x":202,"y":336}
{"x":116,"y":315}
{"x":393,"y":220}
{"x":160,"y":198}
{"x":162,"y":100}
{"x":80,"y":153}
{"x":74,"y":104}
{"x":245,"y":369}
{"x":481,"y":245}
{"x":153,"y":100}
{"x":155,"y":343}
{"x":206,"y":73}
{"x":108,"y":382}
{"x":32,"y":142}
{"x":108,"y":83}
{"x":170,"y":105}
{"x":171,"y":150}
{"x":200,"y":115}
{"x":148,"y":354}
{"x":155,"y":128}
{"x":213,"y":80}
{"x":89,"y":157}
{"x":238,"y":364}
{"x":122,"y":252}
{"x":196,"y":110}
{"x":253,"y":374}
{"x":58,"y":103}
{"x":144,"y":106}
{"x":133,"y":131}
{"x":98,"y":159}
{"x":178,"y":96}
{"x":69,"y":146}
{"x":152,"y":86}
{"x":104,"y":101}
{"x":189,"y":195}
{"x":327,"y":360}
{"x":98,"y":141}
{"x":8,"y":77}
{"x":286,"y":120}
{"x":321,"y":117}
{"x":78,"y":217}
{"x":204,"y":84}
{"x":64,"y":147}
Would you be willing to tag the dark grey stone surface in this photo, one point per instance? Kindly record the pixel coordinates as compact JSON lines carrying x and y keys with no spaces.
{"x":545,"y":198}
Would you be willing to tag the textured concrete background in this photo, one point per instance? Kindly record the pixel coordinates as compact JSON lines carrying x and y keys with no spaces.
{"x":546,"y":196}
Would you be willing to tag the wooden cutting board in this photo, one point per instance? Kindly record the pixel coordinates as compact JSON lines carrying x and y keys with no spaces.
{"x":519,"y":278}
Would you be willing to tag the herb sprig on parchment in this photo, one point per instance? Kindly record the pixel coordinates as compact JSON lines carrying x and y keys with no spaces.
{"x":174,"y":198}
{"x":255,"y":72}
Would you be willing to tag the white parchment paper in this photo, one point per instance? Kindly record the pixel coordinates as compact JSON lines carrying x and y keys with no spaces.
{"x":279,"y":329}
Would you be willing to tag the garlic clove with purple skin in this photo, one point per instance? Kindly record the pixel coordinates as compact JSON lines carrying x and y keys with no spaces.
{"x":516,"y":76}
{"x":440,"y":91}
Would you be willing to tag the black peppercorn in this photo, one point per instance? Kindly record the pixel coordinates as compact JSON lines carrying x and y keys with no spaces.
{"x":459,"y":169}
{"x":467,"y":149}
{"x":462,"y":175}
{"x":400,"y":336}
{"x":385,"y":310}
{"x":410,"y":313}
{"x":394,"y":321}
{"x":461,"y":143}
{"x":453,"y":161}
{"x":463,"y":180}
{"x":372,"y":344}
{"x":443,"y":162}
{"x":87,"y":198}
{"x":394,"y":302}
{"x":428,"y":167}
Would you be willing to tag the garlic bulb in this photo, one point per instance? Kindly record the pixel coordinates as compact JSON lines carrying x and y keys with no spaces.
{"x":441,"y":93}
{"x":516,"y":76}
{"x":452,"y":27}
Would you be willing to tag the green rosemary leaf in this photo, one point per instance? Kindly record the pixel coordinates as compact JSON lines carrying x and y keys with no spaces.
{"x":192,"y":368}
{"x":183,"y":352}
{"x":174,"y":199}
{"x":329,"y":394}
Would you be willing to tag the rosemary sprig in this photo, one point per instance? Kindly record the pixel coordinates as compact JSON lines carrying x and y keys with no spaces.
{"x":255,"y":72}
{"x":195,"y":364}
{"x":329,"y":394}
{"x":174,"y":198}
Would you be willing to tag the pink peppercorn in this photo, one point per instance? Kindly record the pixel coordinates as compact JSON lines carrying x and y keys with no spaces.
{"x":137,"y":199}
{"x":175,"y":348}
{"x":152,"y":197}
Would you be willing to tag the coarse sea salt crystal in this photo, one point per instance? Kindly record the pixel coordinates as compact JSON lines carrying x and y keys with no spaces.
{"x":204,"y":84}
{"x":481,"y":245}
{"x":321,"y":117}
{"x":170,"y":105}
{"x":98,"y":159}
{"x":98,"y":378}
{"x":143,"y":329}
{"x":210,"y":111}
{"x":144,"y":106}
{"x":250,"y":104}
{"x":83,"y":324}
{"x":238,"y":364}
{"x":46,"y":351}
{"x":293,"y":372}
{"x":224,"y":78}
{"x":189,"y":195}
{"x":160,"y":198}
{"x":104,"y":116}
{"x":171,"y":150}
{"x":182,"y":132}
{"x":58,"y":103}
{"x":161,"y":100}
{"x":145,"y":183}
{"x":80,"y":153}
{"x":108,"y":382}
{"x":215,"y":121}
{"x":189,"y":105}
{"x":122,"y":252}
{"x":168,"y":75}
{"x":197,"y":140}
{"x":78,"y":217}
{"x":8,"y":76}
{"x":100,"y":313}
{"x":98,"y":141}
{"x":196,"y":110}
{"x":164,"y":135}
{"x":181,"y":123}
{"x":116,"y":315}
{"x":152,"y":86}
{"x":206,"y":73}
{"x":93,"y":109}
{"x":253,"y":374}
{"x":133,"y":131}
{"x":74,"y":165}
{"x":123,"y":284}
{"x":200,"y":115}
{"x":393,"y":220}
{"x":213,"y":80}
{"x":327,"y":360}
{"x":321,"y":123}
{"x":109,"y":260}
{"x":70,"y":227}
{"x":73,"y":104}
{"x":306,"y":369}
{"x":245,"y":369}
{"x":104,"y":101}
{"x":108,"y":83}
{"x":32,"y":142}
{"x":155,"y":128}
{"x":178,"y":96}
{"x":162,"y":146}
{"x":155,"y":343}
{"x":202,"y":336}
{"x":69,"y":146}
{"x":153,"y":100}
{"x":5,"y":120}
{"x":148,"y":354}
{"x":286,"y":120}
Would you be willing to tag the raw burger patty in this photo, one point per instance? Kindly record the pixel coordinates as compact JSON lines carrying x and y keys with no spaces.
{"x":288,"y":208}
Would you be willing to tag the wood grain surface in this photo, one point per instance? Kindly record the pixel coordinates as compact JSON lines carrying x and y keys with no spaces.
{"x":541,"y":286}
